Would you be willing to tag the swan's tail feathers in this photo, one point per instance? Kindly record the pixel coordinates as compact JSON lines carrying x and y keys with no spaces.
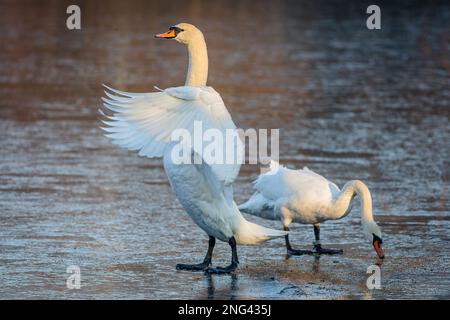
{"x":254,"y":204}
{"x":259,"y":206}
{"x":250,"y":233}
{"x":245,"y":207}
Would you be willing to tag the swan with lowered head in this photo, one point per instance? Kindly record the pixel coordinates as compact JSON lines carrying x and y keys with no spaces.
{"x":144,"y":122}
{"x":306,"y":197}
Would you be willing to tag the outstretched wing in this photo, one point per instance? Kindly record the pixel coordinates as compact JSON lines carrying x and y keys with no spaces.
{"x":144,"y":122}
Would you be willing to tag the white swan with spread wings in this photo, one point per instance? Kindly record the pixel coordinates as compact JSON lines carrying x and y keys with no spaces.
{"x":144,"y":122}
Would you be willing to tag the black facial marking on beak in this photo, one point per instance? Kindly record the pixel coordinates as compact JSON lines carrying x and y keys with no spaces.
{"x":377,"y":238}
{"x":377,"y":241}
{"x":170,"y":34}
{"x":176,"y":29}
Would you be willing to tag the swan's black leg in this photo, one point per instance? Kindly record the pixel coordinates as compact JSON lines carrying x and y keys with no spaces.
{"x":234,"y":260}
{"x":294,"y":252}
{"x":318,"y":247}
{"x":206,"y":262}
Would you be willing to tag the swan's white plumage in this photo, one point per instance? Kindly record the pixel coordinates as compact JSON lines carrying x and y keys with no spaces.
{"x":145,"y":121}
{"x":210,"y":204}
{"x":306,"y":197}
{"x":282,"y":185}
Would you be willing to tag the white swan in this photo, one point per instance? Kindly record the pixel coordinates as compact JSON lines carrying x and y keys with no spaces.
{"x":306,"y":197}
{"x":145,"y":122}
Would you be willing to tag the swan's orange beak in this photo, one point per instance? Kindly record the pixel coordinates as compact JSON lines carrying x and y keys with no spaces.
{"x":378,"y":248}
{"x":166,"y":35}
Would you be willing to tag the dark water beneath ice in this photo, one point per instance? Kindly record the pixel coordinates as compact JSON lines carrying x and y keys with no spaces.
{"x":350,"y":104}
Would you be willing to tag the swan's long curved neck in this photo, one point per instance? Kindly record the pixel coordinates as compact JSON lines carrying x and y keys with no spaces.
{"x":341,"y":205}
{"x":197,"y":74}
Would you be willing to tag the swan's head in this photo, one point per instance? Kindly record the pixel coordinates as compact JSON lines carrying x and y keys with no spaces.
{"x":182,"y":32}
{"x":373,"y":232}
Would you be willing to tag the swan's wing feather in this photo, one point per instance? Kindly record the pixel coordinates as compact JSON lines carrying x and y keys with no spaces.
{"x":274,"y":184}
{"x":301,"y":184}
{"x":215,"y":185}
{"x":215,"y":116}
{"x":321,"y":179}
{"x":144,"y":122}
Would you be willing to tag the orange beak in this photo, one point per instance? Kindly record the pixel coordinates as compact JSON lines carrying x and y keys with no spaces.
{"x":378,"y":249}
{"x":166,"y":35}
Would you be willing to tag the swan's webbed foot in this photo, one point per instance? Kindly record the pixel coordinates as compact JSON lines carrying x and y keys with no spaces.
{"x":206,"y":262}
{"x":193,"y":267}
{"x":318,"y":247}
{"x":319,"y":250}
{"x":295,"y":252}
{"x":223,"y":270}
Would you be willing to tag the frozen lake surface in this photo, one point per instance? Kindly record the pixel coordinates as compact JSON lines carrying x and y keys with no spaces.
{"x":350,"y":104}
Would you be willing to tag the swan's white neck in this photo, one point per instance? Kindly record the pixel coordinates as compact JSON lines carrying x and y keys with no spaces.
{"x":342,"y":202}
{"x":197,"y":74}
